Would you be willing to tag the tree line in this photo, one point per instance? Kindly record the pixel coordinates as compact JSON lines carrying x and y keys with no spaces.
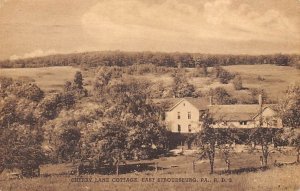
{"x":118,"y":58}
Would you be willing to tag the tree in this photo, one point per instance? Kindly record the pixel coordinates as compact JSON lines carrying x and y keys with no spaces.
{"x":289,"y":108}
{"x":221,"y":96}
{"x":223,"y":75}
{"x":30,"y":91}
{"x":292,"y":135}
{"x":181,"y":87}
{"x":21,"y":148}
{"x":263,"y":137}
{"x":209,"y":140}
{"x":132,"y":119}
{"x":113,"y":144}
{"x":68,"y":143}
{"x":78,"y":80}
{"x":237,"y":82}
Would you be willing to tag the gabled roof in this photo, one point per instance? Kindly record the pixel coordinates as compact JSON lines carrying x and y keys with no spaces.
{"x":199,"y":103}
{"x":240,"y":112}
{"x":168,"y":103}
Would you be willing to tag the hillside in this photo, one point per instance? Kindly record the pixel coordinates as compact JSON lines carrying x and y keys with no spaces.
{"x":274,"y":79}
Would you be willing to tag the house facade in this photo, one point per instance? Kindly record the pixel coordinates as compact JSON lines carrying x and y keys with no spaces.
{"x":244,"y":116}
{"x":185,"y":115}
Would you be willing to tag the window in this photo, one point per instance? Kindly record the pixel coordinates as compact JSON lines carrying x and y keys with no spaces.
{"x":178,"y":115}
{"x":189,"y":115}
{"x":243,"y":122}
{"x":179,"y":128}
{"x":190,"y":128}
{"x":275,"y":123}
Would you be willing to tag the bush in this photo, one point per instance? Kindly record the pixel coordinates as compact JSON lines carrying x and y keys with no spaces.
{"x":237,"y":82}
{"x":223,"y":75}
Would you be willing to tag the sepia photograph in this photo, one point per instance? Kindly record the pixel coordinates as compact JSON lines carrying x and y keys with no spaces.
{"x":150,"y":95}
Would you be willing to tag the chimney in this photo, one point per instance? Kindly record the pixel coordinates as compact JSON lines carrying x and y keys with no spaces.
{"x":210,"y":100}
{"x":260,"y":101}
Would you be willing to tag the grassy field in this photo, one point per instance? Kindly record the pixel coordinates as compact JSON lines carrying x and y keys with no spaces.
{"x":274,"y":79}
{"x":48,"y":78}
{"x":276,"y":178}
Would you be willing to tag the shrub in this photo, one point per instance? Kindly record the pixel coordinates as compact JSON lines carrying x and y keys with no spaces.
{"x":238,"y":83}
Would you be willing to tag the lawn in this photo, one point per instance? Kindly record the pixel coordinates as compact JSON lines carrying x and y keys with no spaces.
{"x":172,"y":173}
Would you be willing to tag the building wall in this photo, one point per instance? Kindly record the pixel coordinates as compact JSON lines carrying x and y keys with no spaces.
{"x":269,"y":119}
{"x":183,"y":108}
{"x":235,"y":124}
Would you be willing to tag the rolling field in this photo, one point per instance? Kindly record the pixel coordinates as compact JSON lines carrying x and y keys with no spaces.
{"x":274,"y":79}
{"x":48,"y":78}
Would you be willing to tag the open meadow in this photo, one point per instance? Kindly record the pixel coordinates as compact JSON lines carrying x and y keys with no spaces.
{"x":274,"y":79}
{"x":47,"y":78}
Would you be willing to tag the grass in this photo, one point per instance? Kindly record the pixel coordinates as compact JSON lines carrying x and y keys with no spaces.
{"x":275,"y":178}
{"x":274,"y":79}
{"x":47,"y":78}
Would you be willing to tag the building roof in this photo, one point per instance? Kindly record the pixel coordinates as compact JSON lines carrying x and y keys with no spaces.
{"x":200,"y":103}
{"x":239,"y":112}
{"x":167,"y":103}
{"x":170,"y":103}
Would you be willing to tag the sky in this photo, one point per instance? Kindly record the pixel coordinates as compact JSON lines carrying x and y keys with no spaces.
{"x":31,"y":28}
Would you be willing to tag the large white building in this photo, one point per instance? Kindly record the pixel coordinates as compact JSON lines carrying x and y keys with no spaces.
{"x":185,"y":115}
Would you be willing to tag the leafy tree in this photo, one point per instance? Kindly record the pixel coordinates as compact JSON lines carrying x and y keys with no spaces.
{"x":103,"y":77}
{"x":30,"y":91}
{"x":223,"y":75}
{"x":133,"y":117}
{"x":78,"y":80}
{"x":209,"y":140}
{"x":237,"y":82}
{"x":21,"y":148}
{"x":264,"y":138}
{"x":289,"y":108}
{"x":292,"y":135}
{"x":181,"y":87}
{"x":113,"y":144}
{"x":68,"y":143}
{"x":221,"y":96}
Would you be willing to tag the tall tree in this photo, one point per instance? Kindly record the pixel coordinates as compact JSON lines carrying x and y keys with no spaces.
{"x":78,"y":80}
{"x":289,"y":108}
{"x":210,"y":140}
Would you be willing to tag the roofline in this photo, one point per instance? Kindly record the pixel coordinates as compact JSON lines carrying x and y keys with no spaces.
{"x":263,"y":109}
{"x":182,"y":99}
